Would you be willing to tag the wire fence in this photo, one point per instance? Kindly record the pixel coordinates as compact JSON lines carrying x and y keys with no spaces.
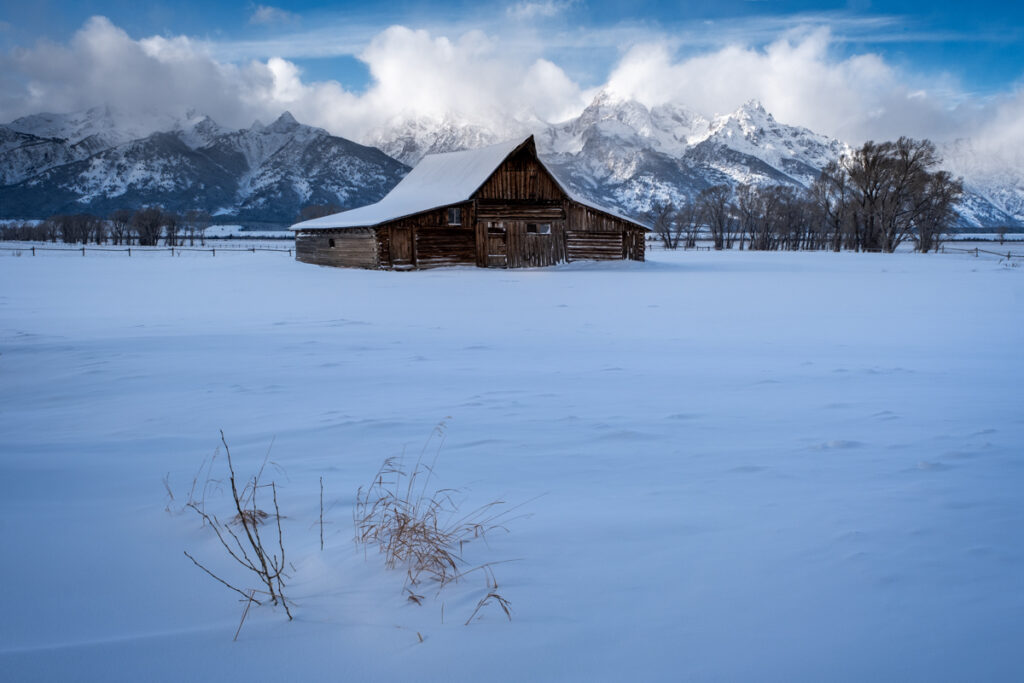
{"x":174,"y":251}
{"x":1008,"y":254}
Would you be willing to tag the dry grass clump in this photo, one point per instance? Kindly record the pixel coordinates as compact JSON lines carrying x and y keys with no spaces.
{"x":421,"y":530}
{"x":418,"y":530}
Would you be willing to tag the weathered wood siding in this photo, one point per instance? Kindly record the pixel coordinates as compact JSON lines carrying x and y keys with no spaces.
{"x":520,"y":177}
{"x":445,"y":247}
{"x":593,"y":235}
{"x":594,"y":246}
{"x":353,"y":247}
{"x":520,"y":191}
{"x":636,"y":244}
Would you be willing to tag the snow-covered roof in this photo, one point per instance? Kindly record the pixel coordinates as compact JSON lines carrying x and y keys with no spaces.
{"x":438,"y":180}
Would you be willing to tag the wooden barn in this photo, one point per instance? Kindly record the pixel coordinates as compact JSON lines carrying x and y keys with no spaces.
{"x":496,"y":207}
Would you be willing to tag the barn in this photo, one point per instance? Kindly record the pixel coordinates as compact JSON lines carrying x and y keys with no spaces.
{"x":495,"y":207}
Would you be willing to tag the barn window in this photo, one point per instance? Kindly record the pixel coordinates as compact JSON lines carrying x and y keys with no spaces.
{"x":454,"y":216}
{"x":494,"y":228}
{"x":331,"y":241}
{"x":538,"y":228}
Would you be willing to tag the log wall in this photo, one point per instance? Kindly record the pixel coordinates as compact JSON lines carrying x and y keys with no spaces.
{"x":353,"y":247}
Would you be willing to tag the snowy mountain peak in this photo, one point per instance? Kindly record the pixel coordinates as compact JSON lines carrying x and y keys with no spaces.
{"x":753,"y":108}
{"x":285,"y":123}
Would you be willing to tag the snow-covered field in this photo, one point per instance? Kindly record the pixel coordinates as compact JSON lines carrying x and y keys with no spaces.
{"x":735,"y":466}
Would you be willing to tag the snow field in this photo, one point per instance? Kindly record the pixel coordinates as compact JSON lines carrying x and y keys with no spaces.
{"x":736,"y":466}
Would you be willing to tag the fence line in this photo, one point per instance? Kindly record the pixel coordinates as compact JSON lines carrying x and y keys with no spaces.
{"x":143,"y":250}
{"x":976,"y":251}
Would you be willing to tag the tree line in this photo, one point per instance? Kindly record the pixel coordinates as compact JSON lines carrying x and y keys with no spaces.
{"x":143,"y":227}
{"x":873,"y":199}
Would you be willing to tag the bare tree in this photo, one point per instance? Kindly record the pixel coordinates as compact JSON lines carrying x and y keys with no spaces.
{"x":172,"y":225}
{"x":940,"y":194}
{"x":196,"y":222}
{"x":120,"y":226}
{"x":717,"y":212}
{"x":100,"y":229}
{"x":831,"y":197}
{"x":892,"y":186}
{"x":148,"y":225}
{"x":75,"y":228}
{"x":665,"y":225}
{"x":688,"y":221}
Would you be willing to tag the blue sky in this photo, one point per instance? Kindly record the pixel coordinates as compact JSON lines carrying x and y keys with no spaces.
{"x":856,"y":70}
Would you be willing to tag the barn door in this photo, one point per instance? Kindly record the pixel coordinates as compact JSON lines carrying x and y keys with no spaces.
{"x":401,"y":248}
{"x":497,"y":244}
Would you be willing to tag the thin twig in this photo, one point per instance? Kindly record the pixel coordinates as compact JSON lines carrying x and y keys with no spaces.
{"x":244,"y":613}
{"x":196,"y":563}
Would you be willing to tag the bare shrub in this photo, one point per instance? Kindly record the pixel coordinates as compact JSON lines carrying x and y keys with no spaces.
{"x":247,"y":547}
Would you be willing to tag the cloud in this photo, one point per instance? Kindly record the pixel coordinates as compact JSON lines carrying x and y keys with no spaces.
{"x":265,"y":14}
{"x":524,"y":11}
{"x":103,"y":65}
{"x":491,"y":78}
{"x":798,"y":79}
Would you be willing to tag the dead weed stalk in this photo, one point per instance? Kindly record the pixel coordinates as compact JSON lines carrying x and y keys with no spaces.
{"x":246,"y":546}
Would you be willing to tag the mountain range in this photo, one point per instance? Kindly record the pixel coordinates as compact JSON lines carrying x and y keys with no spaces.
{"x":97,"y":161}
{"x":617,"y":152}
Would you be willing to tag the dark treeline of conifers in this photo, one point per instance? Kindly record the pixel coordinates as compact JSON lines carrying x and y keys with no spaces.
{"x":873,"y":199}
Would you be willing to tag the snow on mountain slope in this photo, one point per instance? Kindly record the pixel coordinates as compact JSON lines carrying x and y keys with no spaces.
{"x":619,"y":151}
{"x":797,"y":152}
{"x":412,"y":139}
{"x":264,"y":173}
{"x":994,"y":175}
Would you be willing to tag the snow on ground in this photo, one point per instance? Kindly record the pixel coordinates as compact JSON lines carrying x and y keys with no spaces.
{"x":238,"y":231}
{"x":736,"y":466}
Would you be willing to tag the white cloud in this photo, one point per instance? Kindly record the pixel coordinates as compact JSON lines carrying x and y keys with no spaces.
{"x":525,"y":11}
{"x":265,"y":14}
{"x":799,"y":81}
{"x":490,"y":78}
{"x":103,"y":65}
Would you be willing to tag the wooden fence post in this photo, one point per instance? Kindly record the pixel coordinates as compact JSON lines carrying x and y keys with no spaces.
{"x":33,"y":250}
